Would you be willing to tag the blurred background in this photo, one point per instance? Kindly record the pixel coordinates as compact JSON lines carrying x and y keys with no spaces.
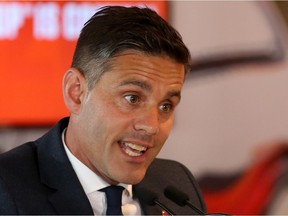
{"x":231,"y":128}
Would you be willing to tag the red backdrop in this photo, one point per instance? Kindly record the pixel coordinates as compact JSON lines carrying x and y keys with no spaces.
{"x":37,"y":41}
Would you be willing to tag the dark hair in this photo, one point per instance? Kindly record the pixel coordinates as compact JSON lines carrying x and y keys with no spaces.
{"x":115,"y":29}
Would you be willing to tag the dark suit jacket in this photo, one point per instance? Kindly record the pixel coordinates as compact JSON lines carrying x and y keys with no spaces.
{"x":37,"y":178}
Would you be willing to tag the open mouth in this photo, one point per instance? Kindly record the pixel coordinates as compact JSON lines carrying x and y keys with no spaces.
{"x":132,"y":149}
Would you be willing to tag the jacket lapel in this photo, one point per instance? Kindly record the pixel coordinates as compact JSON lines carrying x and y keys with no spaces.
{"x":67,"y":195}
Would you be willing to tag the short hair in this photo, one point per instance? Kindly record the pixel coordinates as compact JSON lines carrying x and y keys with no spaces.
{"x":115,"y":29}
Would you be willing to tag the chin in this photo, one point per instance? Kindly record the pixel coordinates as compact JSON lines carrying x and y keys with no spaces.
{"x":131,"y":174}
{"x":132,"y":178}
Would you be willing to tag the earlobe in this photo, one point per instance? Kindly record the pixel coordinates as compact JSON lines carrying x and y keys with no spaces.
{"x":73,"y":90}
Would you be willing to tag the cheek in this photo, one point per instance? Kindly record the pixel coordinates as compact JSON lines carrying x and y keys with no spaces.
{"x":93,"y":120}
{"x":164,"y":134}
{"x":105,"y":122}
{"x":167,"y":126}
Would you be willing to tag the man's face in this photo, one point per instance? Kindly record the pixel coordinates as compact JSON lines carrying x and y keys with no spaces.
{"x":126,"y":118}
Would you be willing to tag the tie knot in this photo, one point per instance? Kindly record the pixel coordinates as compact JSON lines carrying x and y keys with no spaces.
{"x":114,"y":199}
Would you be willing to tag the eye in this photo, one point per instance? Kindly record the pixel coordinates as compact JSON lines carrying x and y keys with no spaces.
{"x":132,"y":99}
{"x":167,"y":107}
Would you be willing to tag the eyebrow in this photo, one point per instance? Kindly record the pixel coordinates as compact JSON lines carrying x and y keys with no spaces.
{"x":147,"y":87}
{"x":143,"y":85}
{"x":174,"y":94}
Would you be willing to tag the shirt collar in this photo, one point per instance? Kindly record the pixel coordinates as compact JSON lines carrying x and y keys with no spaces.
{"x":88,"y":179}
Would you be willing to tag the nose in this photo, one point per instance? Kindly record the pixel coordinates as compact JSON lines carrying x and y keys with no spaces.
{"x":148,"y":122}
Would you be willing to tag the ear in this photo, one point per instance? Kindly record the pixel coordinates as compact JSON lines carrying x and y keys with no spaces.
{"x":74,"y":88}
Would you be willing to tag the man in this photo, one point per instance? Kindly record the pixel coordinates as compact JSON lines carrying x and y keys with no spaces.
{"x":122,"y":89}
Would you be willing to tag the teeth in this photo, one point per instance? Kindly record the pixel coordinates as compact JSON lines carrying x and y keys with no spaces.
{"x":131,"y":153}
{"x":133,"y":149}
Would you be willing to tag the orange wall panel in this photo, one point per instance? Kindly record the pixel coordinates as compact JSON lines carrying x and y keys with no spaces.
{"x":37,"y":41}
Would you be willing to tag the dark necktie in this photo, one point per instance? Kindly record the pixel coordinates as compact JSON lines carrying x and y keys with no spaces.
{"x":114,"y":199}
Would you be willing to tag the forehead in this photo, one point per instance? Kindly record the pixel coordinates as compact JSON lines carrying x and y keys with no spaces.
{"x":154,"y":68}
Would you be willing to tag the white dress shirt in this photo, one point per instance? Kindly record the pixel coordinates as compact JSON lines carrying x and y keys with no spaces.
{"x":91,"y":183}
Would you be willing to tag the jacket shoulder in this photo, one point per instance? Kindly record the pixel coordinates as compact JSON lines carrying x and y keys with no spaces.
{"x":17,"y":168}
{"x":18,"y":157}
